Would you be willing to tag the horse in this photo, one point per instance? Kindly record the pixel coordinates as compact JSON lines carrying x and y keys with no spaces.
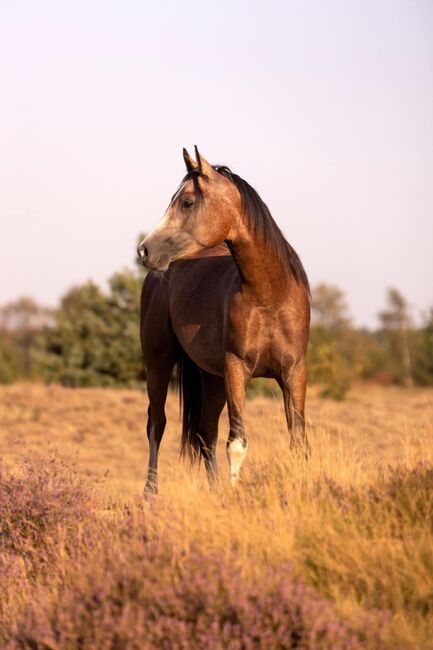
{"x":226,"y":299}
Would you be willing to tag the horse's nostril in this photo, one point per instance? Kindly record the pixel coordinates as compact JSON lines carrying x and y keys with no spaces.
{"x":142,"y":252}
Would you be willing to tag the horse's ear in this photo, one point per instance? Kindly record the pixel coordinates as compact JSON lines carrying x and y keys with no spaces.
{"x":189,"y":162}
{"x":203,"y":164}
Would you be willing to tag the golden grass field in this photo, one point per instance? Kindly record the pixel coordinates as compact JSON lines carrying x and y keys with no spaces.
{"x":354,"y":525}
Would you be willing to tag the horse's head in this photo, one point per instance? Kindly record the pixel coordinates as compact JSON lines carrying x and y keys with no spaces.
{"x":202,"y":213}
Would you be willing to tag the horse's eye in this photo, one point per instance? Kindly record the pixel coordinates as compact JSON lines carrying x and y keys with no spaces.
{"x":186,"y":203}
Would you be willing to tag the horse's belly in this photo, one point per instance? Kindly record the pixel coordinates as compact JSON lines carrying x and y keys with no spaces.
{"x":204,"y":345}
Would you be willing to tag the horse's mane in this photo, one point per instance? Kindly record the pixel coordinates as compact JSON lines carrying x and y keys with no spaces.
{"x":259,"y":220}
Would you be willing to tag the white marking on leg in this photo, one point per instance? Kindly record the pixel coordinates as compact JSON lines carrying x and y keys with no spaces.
{"x":236,"y":452}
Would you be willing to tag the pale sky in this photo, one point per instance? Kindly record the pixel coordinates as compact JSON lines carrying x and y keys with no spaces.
{"x":325,"y":107}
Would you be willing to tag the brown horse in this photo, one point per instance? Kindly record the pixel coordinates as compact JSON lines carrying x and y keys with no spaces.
{"x":227,"y":300}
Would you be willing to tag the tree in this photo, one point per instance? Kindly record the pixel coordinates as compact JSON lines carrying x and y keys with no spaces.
{"x":21,"y":322}
{"x":329,"y":307}
{"x":396,"y":325}
{"x":95,"y":339}
{"x":423,"y":352}
{"x":331,"y":354}
{"x":6,"y":367}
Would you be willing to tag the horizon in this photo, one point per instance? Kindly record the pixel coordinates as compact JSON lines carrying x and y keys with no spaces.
{"x":325,"y":111}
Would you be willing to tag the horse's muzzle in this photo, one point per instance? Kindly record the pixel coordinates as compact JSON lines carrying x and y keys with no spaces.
{"x":151,"y":264}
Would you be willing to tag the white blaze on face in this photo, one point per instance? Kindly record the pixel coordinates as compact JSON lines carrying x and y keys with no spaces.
{"x":165,"y":223}
{"x":236,"y":452}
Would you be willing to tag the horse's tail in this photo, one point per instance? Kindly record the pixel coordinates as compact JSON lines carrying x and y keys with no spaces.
{"x":191,"y":399}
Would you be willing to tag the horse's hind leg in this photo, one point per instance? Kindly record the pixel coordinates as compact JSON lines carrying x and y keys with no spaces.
{"x":158,"y":379}
{"x":214,"y":398}
{"x":294,"y":389}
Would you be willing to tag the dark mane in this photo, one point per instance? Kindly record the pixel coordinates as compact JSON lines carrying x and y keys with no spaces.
{"x":259,"y":219}
{"x":262,"y":224}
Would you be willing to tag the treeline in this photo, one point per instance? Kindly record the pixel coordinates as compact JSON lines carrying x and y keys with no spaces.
{"x":339,"y":353}
{"x":92,"y":339}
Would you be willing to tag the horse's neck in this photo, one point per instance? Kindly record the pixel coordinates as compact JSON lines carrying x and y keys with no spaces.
{"x":262,"y":272}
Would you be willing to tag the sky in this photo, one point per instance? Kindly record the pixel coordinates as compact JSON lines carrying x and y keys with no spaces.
{"x":326,"y":108}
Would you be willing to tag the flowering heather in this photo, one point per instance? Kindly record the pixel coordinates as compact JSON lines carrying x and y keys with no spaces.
{"x":140,"y":598}
{"x":44,"y":509}
{"x":44,"y":500}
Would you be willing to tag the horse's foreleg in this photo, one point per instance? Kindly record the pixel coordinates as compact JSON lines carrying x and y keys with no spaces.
{"x":235,"y":377}
{"x":213,"y":404}
{"x":294,"y":388}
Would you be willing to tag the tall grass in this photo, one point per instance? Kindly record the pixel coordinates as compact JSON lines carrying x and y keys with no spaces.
{"x":333,"y":553}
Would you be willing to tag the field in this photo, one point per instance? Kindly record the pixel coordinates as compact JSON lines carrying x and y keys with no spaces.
{"x":333,"y":553}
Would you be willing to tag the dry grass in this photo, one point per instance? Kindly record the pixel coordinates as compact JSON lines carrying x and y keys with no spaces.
{"x":353,"y":527}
